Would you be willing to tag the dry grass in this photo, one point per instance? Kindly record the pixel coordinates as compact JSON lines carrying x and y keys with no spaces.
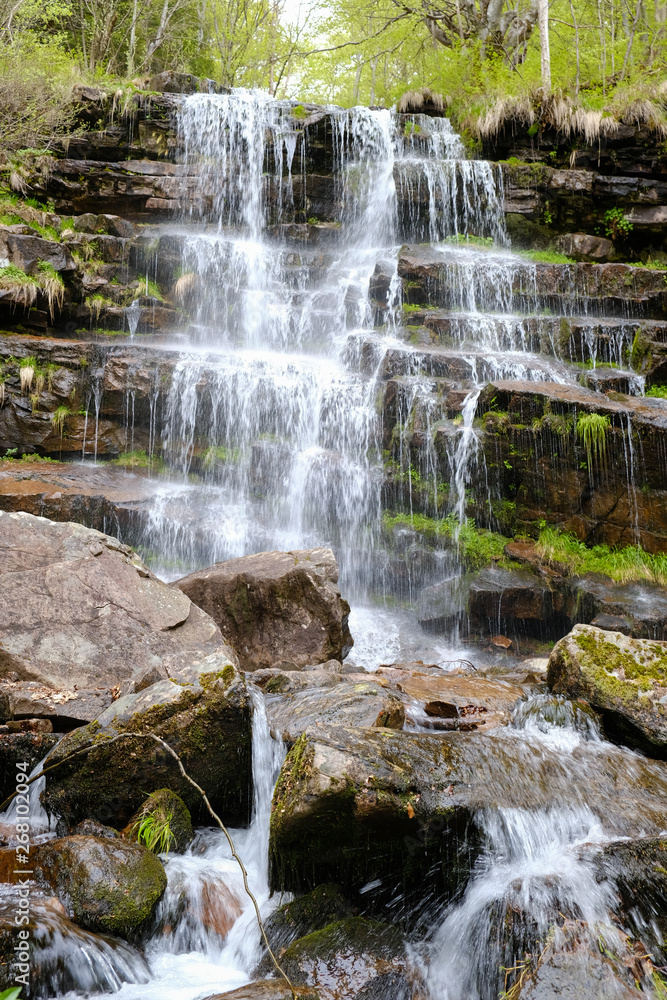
{"x":506,"y":111}
{"x":22,"y":289}
{"x":185,"y":286}
{"x":571,"y":116}
{"x":414,"y":101}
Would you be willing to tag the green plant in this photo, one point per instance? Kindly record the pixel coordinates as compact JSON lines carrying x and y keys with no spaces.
{"x":592,"y":429}
{"x":138,"y":459}
{"x":547,"y":215}
{"x":15,"y":280}
{"x":298,"y":111}
{"x":11,"y":994}
{"x":149,"y":287}
{"x":623,"y":564}
{"x":617,"y":226}
{"x":657,"y":392}
{"x":154,"y":831}
{"x":58,"y":418}
{"x":547,"y":256}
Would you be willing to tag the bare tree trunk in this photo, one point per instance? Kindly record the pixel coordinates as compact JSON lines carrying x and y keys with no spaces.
{"x":545,"y":53}
{"x":631,"y":39}
{"x":132,"y":47}
{"x":576,"y":42}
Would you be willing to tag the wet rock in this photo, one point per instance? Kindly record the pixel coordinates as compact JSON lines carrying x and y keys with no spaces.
{"x":79,"y":608}
{"x":56,"y":949}
{"x":91,"y":828}
{"x":472,"y":702}
{"x":624,"y":678}
{"x":202,"y":712}
{"x":509,"y":600}
{"x":360,"y":703}
{"x":344,"y":956}
{"x":641,"y":606}
{"x":638,"y":869}
{"x":30,"y":726}
{"x":579,"y":974}
{"x":582,"y":247}
{"x":166,"y":807}
{"x":306,"y":914}
{"x":24,"y":748}
{"x":444,"y":605}
{"x":276,"y":605}
{"x":413,"y":797}
{"x":390,"y":986}
{"x":267,"y":989}
{"x":107,"y":885}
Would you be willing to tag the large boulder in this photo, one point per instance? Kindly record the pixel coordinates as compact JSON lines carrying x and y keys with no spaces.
{"x":395,"y":812}
{"x":353,"y":951}
{"x":108,"y":885}
{"x":624,"y":678}
{"x":202,"y":712}
{"x":276,"y":606}
{"x":79,"y":609}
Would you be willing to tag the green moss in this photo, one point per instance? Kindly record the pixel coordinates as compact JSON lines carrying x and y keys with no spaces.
{"x":623,"y":564}
{"x":298,"y":111}
{"x":547,"y":256}
{"x":592,"y":429}
{"x":477,"y":547}
{"x":138,"y":459}
{"x":640,"y":352}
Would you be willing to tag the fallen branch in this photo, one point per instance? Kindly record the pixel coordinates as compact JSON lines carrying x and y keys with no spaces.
{"x":191,"y":781}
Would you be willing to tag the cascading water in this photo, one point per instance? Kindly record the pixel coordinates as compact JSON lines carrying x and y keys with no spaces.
{"x":273,"y":440}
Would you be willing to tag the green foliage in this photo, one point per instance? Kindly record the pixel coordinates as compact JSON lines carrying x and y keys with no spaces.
{"x":617,"y":226}
{"x":58,"y":418}
{"x":149,"y":287}
{"x":657,"y":392}
{"x":138,"y":459}
{"x":592,"y":429}
{"x":11,"y":994}
{"x":477,"y":547}
{"x":298,"y":111}
{"x":621,"y":564}
{"x":154,"y":832}
{"x":547,"y":256}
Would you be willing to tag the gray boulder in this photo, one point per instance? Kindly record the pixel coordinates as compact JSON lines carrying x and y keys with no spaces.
{"x":108,"y":885}
{"x":624,"y":678}
{"x":79,"y":609}
{"x":276,"y":606}
{"x":202,"y":712}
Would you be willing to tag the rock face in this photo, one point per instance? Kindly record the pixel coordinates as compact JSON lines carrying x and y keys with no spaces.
{"x":202,"y":712}
{"x":625,"y":679}
{"x":79,"y":608}
{"x":413,"y":797}
{"x":276,"y":606}
{"x":109,"y":885}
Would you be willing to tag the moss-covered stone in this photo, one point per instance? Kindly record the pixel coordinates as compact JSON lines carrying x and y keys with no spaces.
{"x":166,"y":807}
{"x":306,"y":914}
{"x":203,"y":713}
{"x":109,"y":885}
{"x":624,"y":678}
{"x":346,"y":954}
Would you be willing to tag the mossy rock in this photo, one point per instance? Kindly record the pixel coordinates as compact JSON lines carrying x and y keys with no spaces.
{"x":109,"y":886}
{"x":349,"y":953}
{"x":203,"y":713}
{"x":624,"y":678}
{"x":308,"y":913}
{"x":165,"y":805}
